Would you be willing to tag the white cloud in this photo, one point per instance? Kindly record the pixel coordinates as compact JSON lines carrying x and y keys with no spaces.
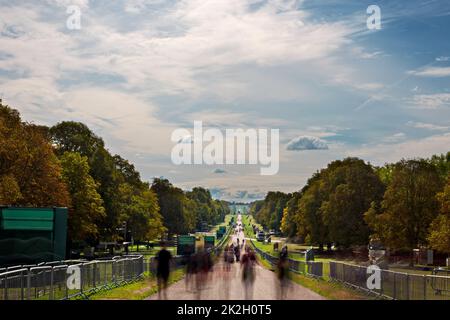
{"x":306,"y":143}
{"x":396,"y":137}
{"x":431,"y":101}
{"x":381,"y":153}
{"x":213,"y":35}
{"x":432,"y":72}
{"x":427,"y":126}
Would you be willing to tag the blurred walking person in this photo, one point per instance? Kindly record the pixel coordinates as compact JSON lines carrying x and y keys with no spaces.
{"x":237,"y":252}
{"x":191,"y":271}
{"x":248,"y":263}
{"x":163,"y":270}
{"x":226,"y":272}
{"x":204,"y":267}
{"x":283,"y":273}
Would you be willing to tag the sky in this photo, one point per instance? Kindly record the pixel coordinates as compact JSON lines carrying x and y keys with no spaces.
{"x":137,"y":70}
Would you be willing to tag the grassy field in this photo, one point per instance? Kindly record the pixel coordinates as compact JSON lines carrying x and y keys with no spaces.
{"x":138,"y":290}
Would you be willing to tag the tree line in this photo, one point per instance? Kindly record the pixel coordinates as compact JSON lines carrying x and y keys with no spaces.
{"x":68,"y":165}
{"x":350,"y":202}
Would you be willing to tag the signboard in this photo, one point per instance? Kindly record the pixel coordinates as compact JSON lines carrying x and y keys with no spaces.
{"x":27,"y":219}
{"x":186,"y":245}
{"x":221,"y":231}
{"x":209,"y":241}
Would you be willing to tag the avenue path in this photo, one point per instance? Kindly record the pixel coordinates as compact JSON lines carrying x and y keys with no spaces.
{"x":229,"y":286}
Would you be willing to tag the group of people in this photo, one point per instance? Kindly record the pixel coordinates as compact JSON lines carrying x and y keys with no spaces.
{"x":247,"y":260}
{"x":199,"y":267}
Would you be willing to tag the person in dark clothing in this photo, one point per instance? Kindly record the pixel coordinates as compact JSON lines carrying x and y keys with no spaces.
{"x":282,"y":272}
{"x":237,"y":253}
{"x":191,"y":271}
{"x":163,"y":270}
{"x":248,"y":272}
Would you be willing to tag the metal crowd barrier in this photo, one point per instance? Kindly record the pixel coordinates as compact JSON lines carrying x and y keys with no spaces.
{"x":309,"y":268}
{"x":50,"y":281}
{"x":393,"y":285}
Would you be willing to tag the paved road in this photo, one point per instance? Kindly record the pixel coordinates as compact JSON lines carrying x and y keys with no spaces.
{"x":223,"y":285}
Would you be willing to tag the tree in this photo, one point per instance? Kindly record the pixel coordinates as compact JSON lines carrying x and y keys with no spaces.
{"x":87,"y":206}
{"x":352,"y":186}
{"x":439,"y":237}
{"x":141,"y":212}
{"x":308,"y":219}
{"x":177,"y":210}
{"x":104,"y":168}
{"x":270,"y":210}
{"x":288,"y":225}
{"x":207,"y":210}
{"x":409,"y":205}
{"x":442,"y":164}
{"x":30,"y":173}
{"x":75,"y":137}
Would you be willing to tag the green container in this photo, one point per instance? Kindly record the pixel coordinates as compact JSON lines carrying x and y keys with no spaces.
{"x":209,"y":241}
{"x":186,"y":245}
{"x":32,"y":235}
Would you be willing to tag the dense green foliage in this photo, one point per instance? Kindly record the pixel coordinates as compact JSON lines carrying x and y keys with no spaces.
{"x":403,"y":204}
{"x":184,"y":212}
{"x":270,"y":211}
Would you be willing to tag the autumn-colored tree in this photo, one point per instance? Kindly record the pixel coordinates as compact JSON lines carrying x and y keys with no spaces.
{"x":30,"y":173}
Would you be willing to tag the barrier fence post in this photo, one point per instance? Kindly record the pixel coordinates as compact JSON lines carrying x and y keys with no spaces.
{"x":81,"y":278}
{"x":94,"y":275}
{"x":29,"y":285}
{"x":408,"y":287}
{"x":395,"y":287}
{"x":425,"y":287}
{"x":50,"y":296}
{"x":66,"y":284}
{"x":5,"y":292}
{"x":21,"y":286}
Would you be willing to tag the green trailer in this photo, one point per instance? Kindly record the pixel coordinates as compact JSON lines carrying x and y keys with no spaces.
{"x":32,"y":235}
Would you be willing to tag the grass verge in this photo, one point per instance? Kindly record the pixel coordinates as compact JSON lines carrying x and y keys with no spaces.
{"x":138,"y":290}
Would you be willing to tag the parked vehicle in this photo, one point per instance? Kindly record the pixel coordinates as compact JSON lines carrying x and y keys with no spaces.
{"x":260,"y":236}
